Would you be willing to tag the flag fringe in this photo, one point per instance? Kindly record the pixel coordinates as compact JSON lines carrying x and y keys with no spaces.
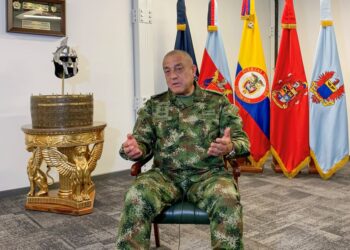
{"x":289,"y":26}
{"x":181,"y":26}
{"x":295,"y":171}
{"x":259,"y":164}
{"x":326,"y":23}
{"x":332,"y":170}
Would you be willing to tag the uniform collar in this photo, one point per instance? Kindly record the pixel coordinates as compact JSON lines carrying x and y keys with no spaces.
{"x":197,"y":95}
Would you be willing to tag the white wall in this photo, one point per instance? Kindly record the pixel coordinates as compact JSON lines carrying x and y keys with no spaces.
{"x":102,"y":36}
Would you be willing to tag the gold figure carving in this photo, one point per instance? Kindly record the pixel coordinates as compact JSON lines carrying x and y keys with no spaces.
{"x":73,"y":153}
{"x":88,"y":164}
{"x":79,"y":171}
{"x":37,"y":177}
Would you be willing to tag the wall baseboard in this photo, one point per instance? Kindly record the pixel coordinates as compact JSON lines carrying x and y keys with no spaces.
{"x":25,"y":190}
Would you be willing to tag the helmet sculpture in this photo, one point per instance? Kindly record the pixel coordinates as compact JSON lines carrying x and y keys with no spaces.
{"x":65,"y":60}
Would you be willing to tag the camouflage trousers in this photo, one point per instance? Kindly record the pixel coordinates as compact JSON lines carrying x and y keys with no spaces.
{"x":152,"y":191}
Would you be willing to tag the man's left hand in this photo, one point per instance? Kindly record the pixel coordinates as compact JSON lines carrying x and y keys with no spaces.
{"x":221,"y":146}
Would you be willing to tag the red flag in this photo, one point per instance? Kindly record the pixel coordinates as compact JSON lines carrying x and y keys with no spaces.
{"x":289,"y":134}
{"x":215,"y":74}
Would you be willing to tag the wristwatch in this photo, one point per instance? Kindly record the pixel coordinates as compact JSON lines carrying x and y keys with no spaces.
{"x":231,"y":155}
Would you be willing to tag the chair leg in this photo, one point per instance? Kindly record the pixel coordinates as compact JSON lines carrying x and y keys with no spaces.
{"x":156,"y":234}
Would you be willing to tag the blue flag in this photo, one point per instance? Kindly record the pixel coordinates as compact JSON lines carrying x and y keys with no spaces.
{"x":183,"y":36}
{"x":329,"y":143}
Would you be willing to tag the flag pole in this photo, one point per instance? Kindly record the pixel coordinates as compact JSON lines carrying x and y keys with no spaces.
{"x":62,"y":83}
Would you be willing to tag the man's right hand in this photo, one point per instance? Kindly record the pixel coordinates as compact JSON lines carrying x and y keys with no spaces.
{"x":131,"y":148}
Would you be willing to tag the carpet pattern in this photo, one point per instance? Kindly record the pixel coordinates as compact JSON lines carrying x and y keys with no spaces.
{"x":304,"y":213}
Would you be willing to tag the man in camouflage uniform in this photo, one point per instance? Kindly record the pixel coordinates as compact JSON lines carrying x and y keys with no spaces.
{"x":189,"y":131}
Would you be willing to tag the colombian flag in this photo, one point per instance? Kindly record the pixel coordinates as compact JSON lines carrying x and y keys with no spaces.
{"x":183,"y":36}
{"x":214,"y":73}
{"x":252,"y":87}
{"x":329,"y":142}
{"x":289,"y":131}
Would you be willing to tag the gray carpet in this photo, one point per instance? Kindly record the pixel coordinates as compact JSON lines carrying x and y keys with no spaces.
{"x":302,"y":213}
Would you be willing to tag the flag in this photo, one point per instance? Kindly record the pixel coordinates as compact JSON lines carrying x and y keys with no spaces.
{"x":289,"y":133}
{"x":252,"y":87}
{"x":183,"y":36}
{"x":329,"y":143}
{"x":215,"y":74}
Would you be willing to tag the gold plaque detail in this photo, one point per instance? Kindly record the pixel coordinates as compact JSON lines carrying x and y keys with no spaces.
{"x":16,"y":5}
{"x":64,"y":140}
{"x":35,"y":6}
{"x":27,"y":24}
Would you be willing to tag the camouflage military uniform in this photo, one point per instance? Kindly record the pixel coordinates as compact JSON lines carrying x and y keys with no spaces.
{"x":179,"y":135}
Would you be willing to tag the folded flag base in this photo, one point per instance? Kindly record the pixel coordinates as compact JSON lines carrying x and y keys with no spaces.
{"x":277,"y":169}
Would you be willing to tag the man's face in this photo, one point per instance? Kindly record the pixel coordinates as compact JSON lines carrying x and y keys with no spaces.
{"x":179,"y":74}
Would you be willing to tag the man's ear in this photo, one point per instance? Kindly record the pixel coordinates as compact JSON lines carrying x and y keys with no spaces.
{"x":194,"y":69}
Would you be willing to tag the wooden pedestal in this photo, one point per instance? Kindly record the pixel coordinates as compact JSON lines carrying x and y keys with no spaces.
{"x":246,"y":166}
{"x":312,"y":168}
{"x":275,"y":166}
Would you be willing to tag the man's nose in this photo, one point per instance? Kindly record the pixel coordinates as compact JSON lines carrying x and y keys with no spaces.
{"x":173,"y":74}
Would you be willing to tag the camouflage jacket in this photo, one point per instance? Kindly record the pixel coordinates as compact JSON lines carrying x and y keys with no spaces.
{"x":179,"y":136}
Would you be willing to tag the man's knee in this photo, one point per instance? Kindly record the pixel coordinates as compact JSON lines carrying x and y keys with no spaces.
{"x":224,"y":192}
{"x":223,"y":202}
{"x":140,"y":202}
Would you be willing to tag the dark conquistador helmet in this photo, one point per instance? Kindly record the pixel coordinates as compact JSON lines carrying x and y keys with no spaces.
{"x":65,"y":60}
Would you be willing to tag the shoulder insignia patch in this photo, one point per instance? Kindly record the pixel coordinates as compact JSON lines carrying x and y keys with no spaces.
{"x":157,"y":96}
{"x":214,"y":91}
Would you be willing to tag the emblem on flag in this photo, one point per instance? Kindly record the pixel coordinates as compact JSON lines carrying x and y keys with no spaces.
{"x":252,"y":85}
{"x":218,"y":83}
{"x":289,"y":93}
{"x":326,"y":89}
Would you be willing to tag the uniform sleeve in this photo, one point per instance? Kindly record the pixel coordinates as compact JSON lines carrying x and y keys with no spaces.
{"x":229,"y":117}
{"x":143,"y":131}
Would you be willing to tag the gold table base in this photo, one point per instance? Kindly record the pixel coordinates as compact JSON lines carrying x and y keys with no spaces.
{"x":74,"y":153}
{"x":62,"y":206}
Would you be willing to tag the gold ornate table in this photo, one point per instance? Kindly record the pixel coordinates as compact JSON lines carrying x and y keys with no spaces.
{"x":74,"y":153}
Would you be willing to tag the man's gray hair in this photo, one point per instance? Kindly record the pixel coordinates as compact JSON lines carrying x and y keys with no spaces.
{"x":179,"y":52}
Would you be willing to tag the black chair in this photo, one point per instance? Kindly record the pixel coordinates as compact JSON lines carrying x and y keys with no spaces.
{"x":185,"y":212}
